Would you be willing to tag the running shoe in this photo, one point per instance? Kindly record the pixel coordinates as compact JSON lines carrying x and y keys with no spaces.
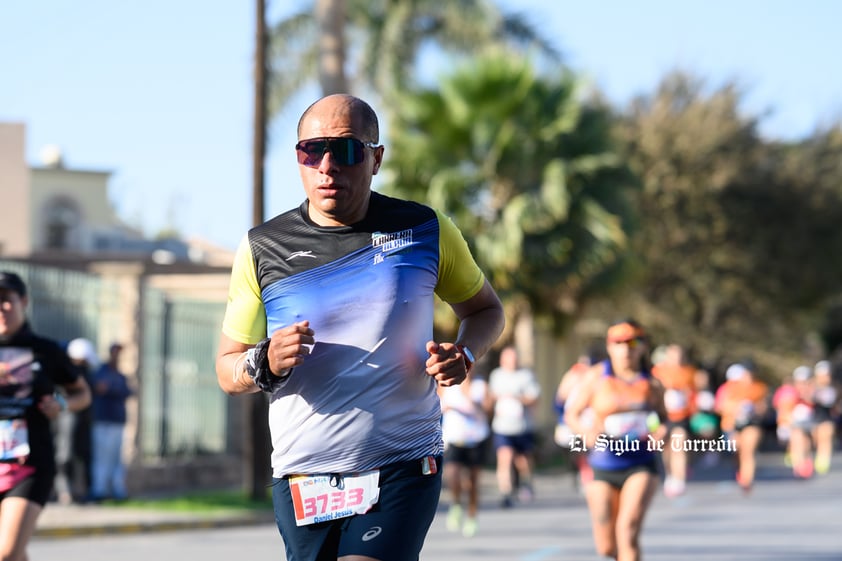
{"x":744,"y":484}
{"x":822,"y":464}
{"x":469,"y":530}
{"x":674,"y":487}
{"x":454,"y":518}
{"x":804,"y":470}
{"x":525,"y":494}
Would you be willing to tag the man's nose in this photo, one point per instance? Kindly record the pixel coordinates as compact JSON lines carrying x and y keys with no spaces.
{"x":327,"y":164}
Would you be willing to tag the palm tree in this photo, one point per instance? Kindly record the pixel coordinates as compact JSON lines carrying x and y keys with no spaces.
{"x":385,"y":39}
{"x":530,"y":177}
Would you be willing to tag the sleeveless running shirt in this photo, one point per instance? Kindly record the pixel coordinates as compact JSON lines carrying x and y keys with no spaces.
{"x":362,"y":398}
{"x":614,"y":396}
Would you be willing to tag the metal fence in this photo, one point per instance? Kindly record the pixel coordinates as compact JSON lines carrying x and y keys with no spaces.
{"x":182,"y":412}
{"x":65,"y":304}
{"x":183,"y":409}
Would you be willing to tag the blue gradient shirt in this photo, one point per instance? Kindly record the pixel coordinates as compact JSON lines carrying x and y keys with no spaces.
{"x":362,"y":399}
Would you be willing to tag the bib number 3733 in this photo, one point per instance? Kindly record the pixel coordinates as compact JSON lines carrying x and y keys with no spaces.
{"x":320,"y":498}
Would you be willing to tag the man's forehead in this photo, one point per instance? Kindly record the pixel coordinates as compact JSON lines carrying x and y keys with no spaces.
{"x":327,"y":125}
{"x":333,"y":116}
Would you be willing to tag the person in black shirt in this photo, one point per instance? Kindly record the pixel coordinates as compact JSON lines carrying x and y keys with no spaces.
{"x":37,"y":382}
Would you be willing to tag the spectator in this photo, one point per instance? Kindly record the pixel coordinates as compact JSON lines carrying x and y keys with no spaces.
{"x":78,"y":471}
{"x":110,"y":390}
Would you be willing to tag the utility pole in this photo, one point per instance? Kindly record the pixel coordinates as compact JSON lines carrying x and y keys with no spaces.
{"x":258,"y":447}
{"x":259,"y":124}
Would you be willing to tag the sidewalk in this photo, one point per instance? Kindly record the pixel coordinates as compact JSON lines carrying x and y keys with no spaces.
{"x":61,"y":521}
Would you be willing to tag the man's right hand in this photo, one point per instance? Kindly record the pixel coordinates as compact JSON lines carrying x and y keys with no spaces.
{"x":289,"y":346}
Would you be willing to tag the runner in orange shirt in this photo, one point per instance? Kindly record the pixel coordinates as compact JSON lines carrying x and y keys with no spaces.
{"x":628,"y":406}
{"x":678,"y":379}
{"x":741,"y":402}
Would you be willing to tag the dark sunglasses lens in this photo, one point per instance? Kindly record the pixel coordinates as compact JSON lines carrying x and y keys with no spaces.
{"x":346,"y":151}
{"x":310,"y":152}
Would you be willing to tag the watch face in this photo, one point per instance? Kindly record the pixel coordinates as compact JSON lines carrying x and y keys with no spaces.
{"x":468,"y":354}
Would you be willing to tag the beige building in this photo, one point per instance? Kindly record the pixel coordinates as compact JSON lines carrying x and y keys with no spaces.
{"x":15,"y":214}
{"x":52,"y":212}
{"x":51,"y":208}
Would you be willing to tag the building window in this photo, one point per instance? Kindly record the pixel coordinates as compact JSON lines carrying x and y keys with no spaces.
{"x":62,"y":221}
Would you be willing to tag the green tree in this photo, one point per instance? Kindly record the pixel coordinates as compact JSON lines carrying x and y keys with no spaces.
{"x":688,"y":149}
{"x":737,"y":233}
{"x":527,"y":171}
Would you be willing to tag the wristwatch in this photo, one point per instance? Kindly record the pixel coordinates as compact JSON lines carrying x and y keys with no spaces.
{"x":62,"y":402}
{"x":467,"y":356}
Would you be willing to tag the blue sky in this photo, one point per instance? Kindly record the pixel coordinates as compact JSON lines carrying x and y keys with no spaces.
{"x":158,"y":91}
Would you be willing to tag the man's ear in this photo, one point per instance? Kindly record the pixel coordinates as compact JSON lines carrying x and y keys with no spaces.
{"x":378,"y":159}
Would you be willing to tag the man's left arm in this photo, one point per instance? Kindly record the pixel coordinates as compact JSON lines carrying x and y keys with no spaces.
{"x":481,"y":321}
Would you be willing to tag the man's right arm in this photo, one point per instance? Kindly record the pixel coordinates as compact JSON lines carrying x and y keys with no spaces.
{"x":245,"y":320}
{"x":288,"y":347}
{"x":231,"y":369}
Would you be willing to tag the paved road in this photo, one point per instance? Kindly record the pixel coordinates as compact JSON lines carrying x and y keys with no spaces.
{"x":782,"y":519}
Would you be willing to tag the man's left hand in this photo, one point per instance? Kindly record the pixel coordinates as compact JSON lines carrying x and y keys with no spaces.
{"x":445,"y":363}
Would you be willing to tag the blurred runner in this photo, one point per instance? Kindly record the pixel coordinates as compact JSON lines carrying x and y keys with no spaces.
{"x":704,"y":423}
{"x":563,"y":435}
{"x":826,"y":409}
{"x":624,"y":397}
{"x":741,"y":403}
{"x":513,"y":394}
{"x":795,"y":420}
{"x":678,"y":379}
{"x":464,"y":430}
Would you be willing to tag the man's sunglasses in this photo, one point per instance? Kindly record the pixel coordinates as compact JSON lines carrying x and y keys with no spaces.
{"x":344,"y":151}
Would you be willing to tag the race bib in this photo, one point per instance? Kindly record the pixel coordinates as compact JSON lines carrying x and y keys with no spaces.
{"x":14,"y":439}
{"x":826,"y":396}
{"x":675,"y":400}
{"x":629,"y":423}
{"x":802,"y":413}
{"x":509,"y":407}
{"x":320,"y":498}
{"x":745,"y":412}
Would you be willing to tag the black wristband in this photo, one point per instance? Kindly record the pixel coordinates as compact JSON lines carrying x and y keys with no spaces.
{"x":257,"y":367}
